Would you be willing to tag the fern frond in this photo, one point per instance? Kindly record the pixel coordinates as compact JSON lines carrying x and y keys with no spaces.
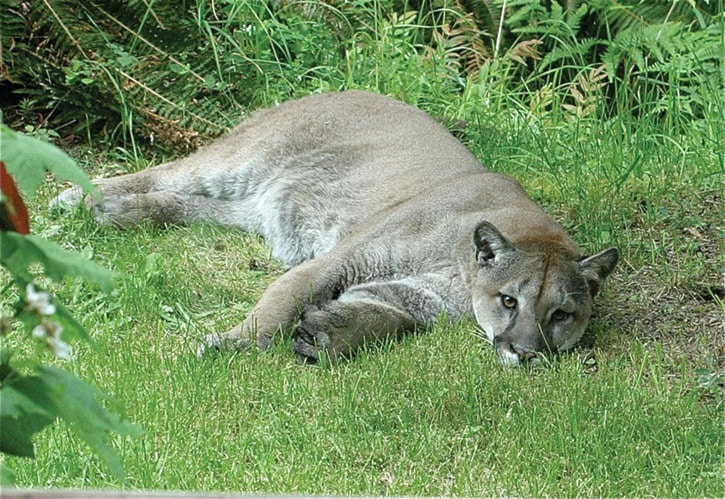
{"x":569,"y":53}
{"x":484,"y":14}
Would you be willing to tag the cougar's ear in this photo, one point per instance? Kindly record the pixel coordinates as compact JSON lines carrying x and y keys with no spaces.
{"x":490,"y":244}
{"x":597,"y":267}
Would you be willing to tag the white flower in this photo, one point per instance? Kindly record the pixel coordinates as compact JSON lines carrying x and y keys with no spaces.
{"x":40,"y":332}
{"x":61,"y":349}
{"x":38,"y":301}
{"x":50,"y":332}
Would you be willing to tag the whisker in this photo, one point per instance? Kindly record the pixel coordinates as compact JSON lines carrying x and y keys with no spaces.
{"x":481,"y":335}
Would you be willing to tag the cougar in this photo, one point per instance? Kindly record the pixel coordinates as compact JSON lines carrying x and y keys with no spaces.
{"x":386,"y":223}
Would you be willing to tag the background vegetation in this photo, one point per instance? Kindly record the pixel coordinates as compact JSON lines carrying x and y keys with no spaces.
{"x":32,"y":395}
{"x":610,"y":113}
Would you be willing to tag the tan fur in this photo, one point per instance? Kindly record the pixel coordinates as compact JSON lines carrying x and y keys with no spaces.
{"x":386,"y":222}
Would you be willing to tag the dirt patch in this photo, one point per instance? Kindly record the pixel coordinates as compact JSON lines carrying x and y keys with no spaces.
{"x":673,"y":302}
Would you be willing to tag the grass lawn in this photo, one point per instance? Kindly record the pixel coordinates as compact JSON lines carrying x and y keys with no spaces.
{"x":636,"y":410}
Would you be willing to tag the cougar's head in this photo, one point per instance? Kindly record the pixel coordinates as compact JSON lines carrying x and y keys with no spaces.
{"x":533,"y":297}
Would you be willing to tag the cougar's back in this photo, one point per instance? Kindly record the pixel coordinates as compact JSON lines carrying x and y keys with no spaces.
{"x":314,"y":169}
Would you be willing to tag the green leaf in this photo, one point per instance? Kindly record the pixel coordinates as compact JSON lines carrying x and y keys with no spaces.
{"x":7,"y":476}
{"x":14,"y":404}
{"x":24,"y":411}
{"x":5,"y":370}
{"x":30,"y":403}
{"x":77,"y":404}
{"x":28,"y":159}
{"x":18,"y":252}
{"x":72,"y":329}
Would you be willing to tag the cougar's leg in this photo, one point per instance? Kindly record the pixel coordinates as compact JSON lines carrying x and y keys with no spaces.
{"x":132,"y":183}
{"x":165,"y":194}
{"x":368,"y":313}
{"x":169,"y":208}
{"x":281,"y":305}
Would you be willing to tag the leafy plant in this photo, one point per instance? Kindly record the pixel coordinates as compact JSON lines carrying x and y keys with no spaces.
{"x":33,"y":395}
{"x":668,"y":69}
{"x":172,"y":75}
{"x":120,"y":67}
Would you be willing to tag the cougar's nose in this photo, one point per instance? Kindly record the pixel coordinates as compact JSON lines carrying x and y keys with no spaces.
{"x":524,"y":355}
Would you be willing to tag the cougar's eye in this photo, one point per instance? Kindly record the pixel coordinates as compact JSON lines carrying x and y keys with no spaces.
{"x":560,"y":315}
{"x":508,"y":301}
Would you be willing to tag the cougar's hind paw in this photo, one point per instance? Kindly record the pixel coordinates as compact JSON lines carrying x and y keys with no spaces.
{"x":115,"y":210}
{"x":69,"y":198}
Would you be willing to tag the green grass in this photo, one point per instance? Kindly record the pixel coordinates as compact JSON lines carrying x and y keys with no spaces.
{"x":636,"y":411}
{"x":434,"y":414}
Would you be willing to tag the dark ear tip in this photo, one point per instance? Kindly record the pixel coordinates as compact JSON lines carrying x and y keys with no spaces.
{"x":613,"y":253}
{"x":485,"y":227}
{"x":489,"y":243}
{"x":602,"y":263}
{"x":487,"y":230}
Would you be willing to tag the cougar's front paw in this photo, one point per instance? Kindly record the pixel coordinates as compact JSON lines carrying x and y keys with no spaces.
{"x":312,"y":336}
{"x":329,"y":329}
